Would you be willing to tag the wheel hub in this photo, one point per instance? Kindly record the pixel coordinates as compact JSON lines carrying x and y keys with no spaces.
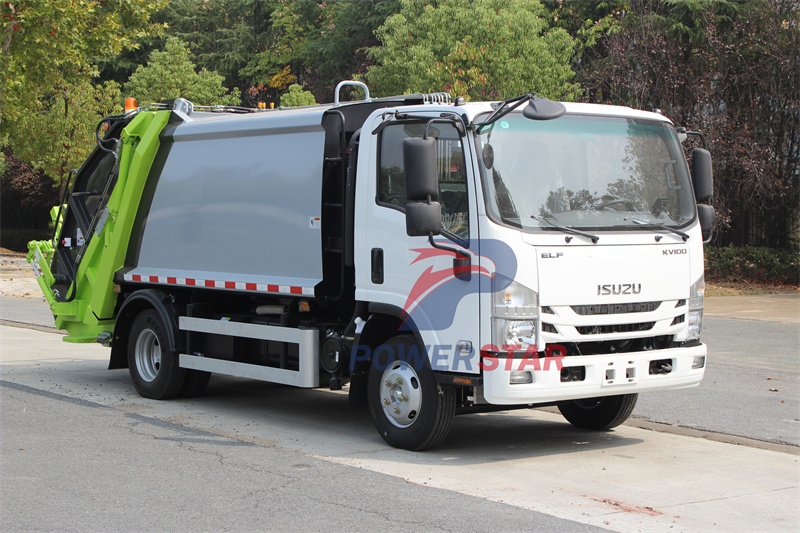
{"x":148,"y":355}
{"x":401,"y":395}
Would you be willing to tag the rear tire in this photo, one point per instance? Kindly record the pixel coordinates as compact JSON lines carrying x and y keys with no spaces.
{"x":152,"y":362}
{"x":599,"y":413}
{"x":409,"y":408}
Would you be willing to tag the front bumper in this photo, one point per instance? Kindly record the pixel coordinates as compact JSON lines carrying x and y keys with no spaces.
{"x":605,"y":375}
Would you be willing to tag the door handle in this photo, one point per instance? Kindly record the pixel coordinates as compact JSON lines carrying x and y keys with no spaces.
{"x":377,"y":266}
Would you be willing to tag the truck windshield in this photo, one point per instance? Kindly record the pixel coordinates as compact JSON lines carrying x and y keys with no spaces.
{"x":584,"y":172}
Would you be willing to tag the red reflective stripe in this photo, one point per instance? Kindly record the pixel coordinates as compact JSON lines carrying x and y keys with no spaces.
{"x":217,"y":284}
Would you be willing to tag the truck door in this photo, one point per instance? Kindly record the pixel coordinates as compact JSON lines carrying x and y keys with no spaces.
{"x":407,"y":273}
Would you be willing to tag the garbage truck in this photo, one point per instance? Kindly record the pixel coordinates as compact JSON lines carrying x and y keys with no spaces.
{"x":433,"y":256}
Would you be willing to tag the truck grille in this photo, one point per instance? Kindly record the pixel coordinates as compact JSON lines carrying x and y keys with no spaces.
{"x":615,"y":309}
{"x":614,"y":328}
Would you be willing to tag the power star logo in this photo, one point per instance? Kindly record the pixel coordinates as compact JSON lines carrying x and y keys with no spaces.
{"x":487,"y":265}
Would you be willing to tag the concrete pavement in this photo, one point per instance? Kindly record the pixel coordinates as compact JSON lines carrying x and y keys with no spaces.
{"x":783,"y":308}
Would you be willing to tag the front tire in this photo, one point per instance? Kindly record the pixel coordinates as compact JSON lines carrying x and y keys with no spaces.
{"x":599,"y":413}
{"x":409,"y":408}
{"x":152,"y":361}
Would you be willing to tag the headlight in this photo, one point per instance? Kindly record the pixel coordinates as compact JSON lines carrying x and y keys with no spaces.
{"x":696,"y":297}
{"x":521,"y":332}
{"x":516,"y":311}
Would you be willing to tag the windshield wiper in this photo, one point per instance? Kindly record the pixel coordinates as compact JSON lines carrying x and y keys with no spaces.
{"x":684,"y":236}
{"x":512,"y":222}
{"x":564,"y":229}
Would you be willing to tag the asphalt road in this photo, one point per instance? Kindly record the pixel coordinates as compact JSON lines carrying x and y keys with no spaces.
{"x":73,"y":465}
{"x":751,"y":387}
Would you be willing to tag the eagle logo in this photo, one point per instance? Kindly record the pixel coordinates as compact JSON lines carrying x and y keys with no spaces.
{"x":437,"y":292}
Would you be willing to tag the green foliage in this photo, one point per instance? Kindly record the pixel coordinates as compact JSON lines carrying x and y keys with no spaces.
{"x":49,"y":43}
{"x":338,"y":47}
{"x":223,"y":35}
{"x":171,"y":74}
{"x":49,"y":107}
{"x":289,"y":24}
{"x":479,"y":49}
{"x":263,"y":46}
{"x":752,"y":264}
{"x":59,"y":132}
{"x":587,"y":21}
{"x":297,"y":97}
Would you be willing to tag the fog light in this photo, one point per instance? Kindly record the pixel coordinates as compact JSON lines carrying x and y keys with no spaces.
{"x":519,"y":377}
{"x":699,"y":361}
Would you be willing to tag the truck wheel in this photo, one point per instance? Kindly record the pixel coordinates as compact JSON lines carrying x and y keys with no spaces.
{"x":410,"y":410}
{"x":152,"y":363}
{"x":599,"y":413}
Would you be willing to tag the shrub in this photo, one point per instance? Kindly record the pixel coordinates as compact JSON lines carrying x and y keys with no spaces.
{"x":26,"y":195}
{"x":297,"y":97}
{"x":17,"y":239}
{"x":753,"y":264}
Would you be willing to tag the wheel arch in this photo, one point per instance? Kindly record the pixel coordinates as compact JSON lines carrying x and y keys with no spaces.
{"x":384,"y":323}
{"x":155,"y":299}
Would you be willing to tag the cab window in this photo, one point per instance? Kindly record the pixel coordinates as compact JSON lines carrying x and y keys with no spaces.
{"x":450,"y":165}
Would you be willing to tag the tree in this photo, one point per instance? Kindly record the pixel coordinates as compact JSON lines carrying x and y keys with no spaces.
{"x":338,"y":48}
{"x":278,"y":65}
{"x":732,"y":71}
{"x":47,"y":43}
{"x":297,"y":97}
{"x":26,"y":196}
{"x":171,"y":74}
{"x":317,"y":44}
{"x":263,"y":46}
{"x":481,"y":49}
{"x":59,"y":133}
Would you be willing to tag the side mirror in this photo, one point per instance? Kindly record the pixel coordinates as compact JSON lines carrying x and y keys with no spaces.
{"x":423,"y":219}
{"x":708,"y":219}
{"x":423,"y":211}
{"x":543,"y":109}
{"x":702,"y":175}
